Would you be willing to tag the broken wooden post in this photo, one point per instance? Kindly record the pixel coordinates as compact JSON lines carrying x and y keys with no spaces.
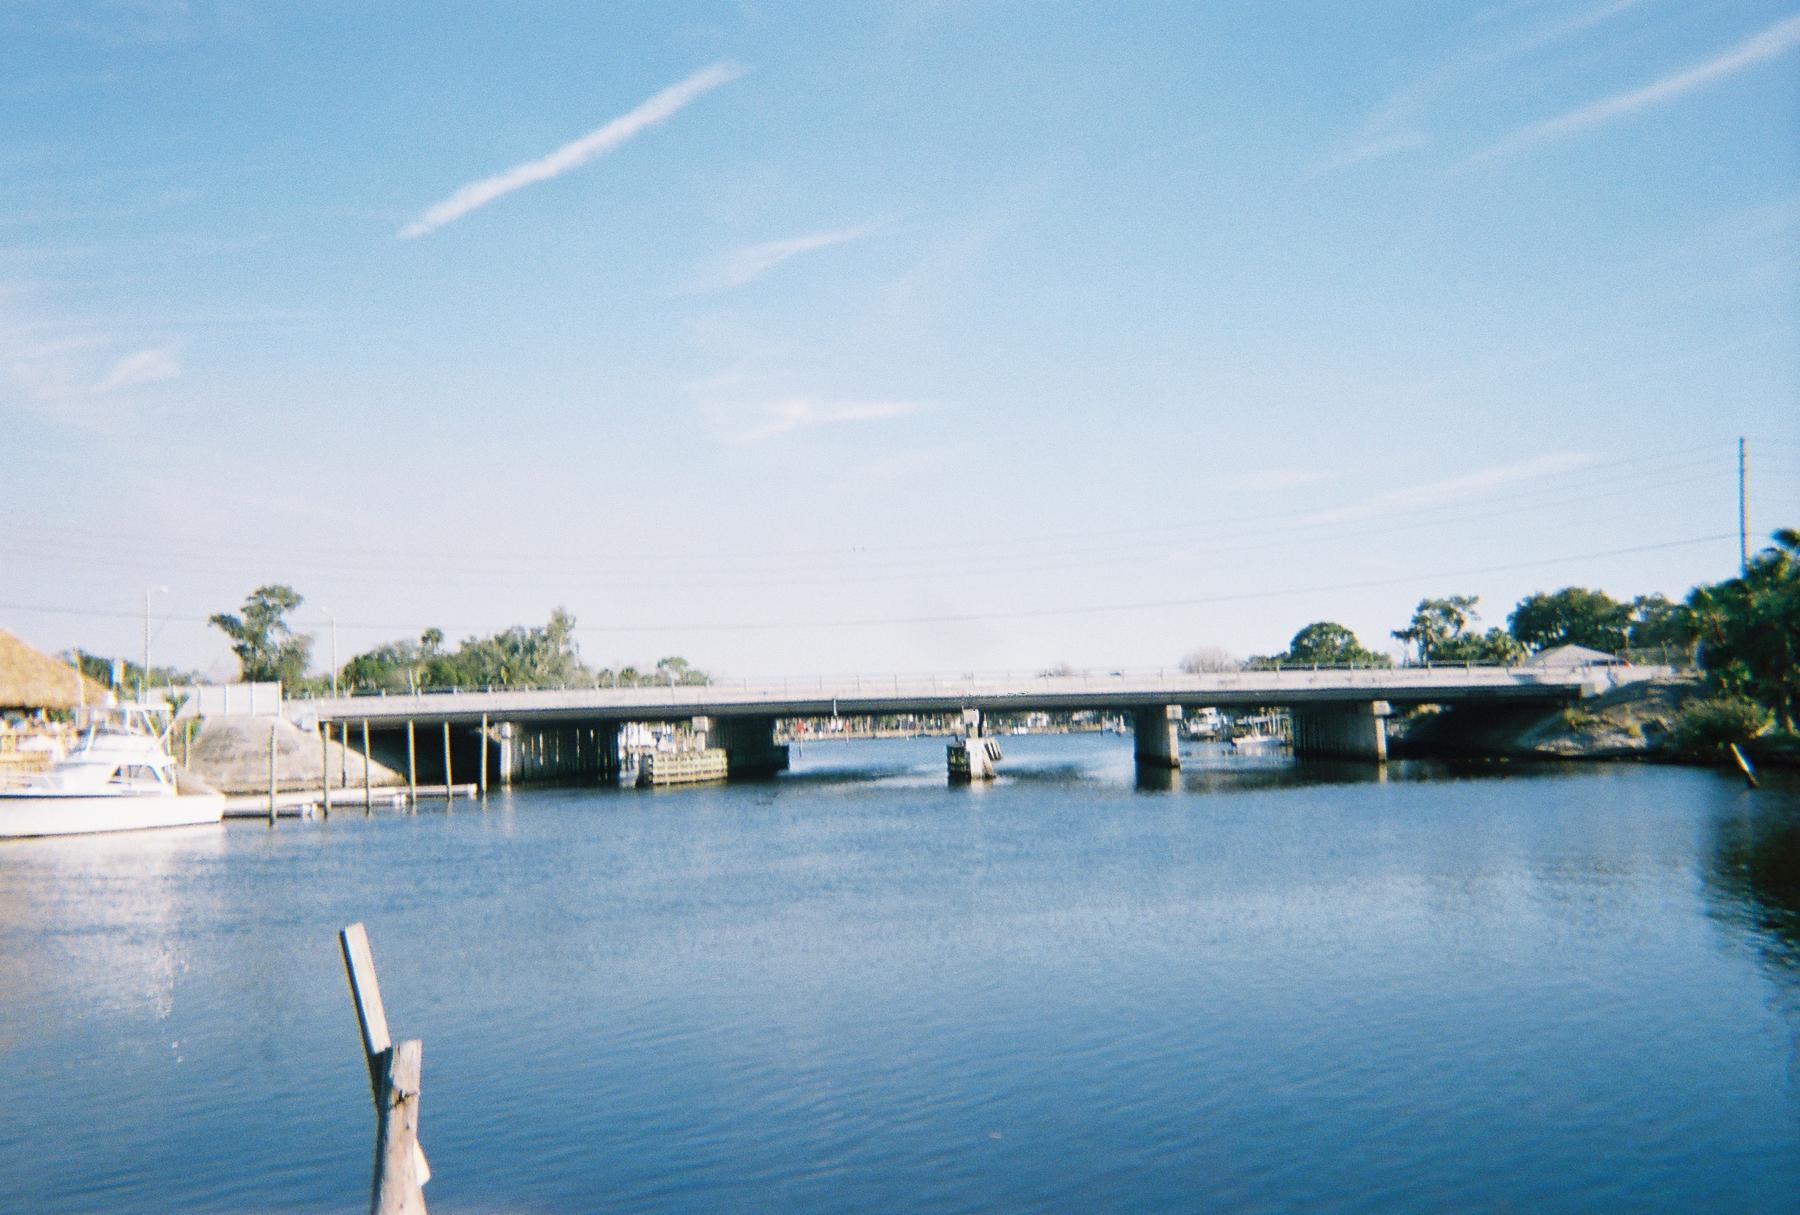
{"x":271,"y":774}
{"x":1743,"y":765}
{"x":400,"y":1168}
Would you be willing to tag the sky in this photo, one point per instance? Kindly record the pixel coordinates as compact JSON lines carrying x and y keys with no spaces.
{"x":895,"y":336}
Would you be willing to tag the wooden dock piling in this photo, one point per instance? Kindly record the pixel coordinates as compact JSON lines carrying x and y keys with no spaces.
{"x":484,"y":751}
{"x":394,"y":1073}
{"x":368,"y":793}
{"x":325,"y":767}
{"x":272,"y":729}
{"x":412,"y":766}
{"x":449,"y":780}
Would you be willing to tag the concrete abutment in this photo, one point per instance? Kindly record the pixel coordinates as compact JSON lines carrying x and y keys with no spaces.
{"x":1352,"y":730}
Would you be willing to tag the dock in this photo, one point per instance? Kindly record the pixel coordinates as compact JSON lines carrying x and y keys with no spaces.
{"x":659,"y":768}
{"x":308,"y":803}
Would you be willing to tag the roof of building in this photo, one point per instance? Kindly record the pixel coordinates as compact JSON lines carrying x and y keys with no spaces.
{"x":1573,"y":656}
{"x":31,"y":679}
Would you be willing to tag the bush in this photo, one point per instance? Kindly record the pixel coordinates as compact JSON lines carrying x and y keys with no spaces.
{"x":1709,"y":726}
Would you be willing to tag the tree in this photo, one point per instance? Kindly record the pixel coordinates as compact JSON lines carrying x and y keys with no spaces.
{"x":1325,"y":642}
{"x":1208,"y":659}
{"x":1655,"y":622}
{"x":676,"y":670}
{"x":1493,"y":646}
{"x":266,"y":647}
{"x":393,"y":667}
{"x":1440,"y":631}
{"x":1571,"y":616}
{"x":1749,"y":629}
{"x":1436,"y":623}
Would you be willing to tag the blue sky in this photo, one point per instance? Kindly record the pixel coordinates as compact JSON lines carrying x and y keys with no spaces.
{"x":890,"y":336}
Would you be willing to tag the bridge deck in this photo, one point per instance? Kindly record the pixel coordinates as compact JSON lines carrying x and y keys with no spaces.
{"x":894,"y":695}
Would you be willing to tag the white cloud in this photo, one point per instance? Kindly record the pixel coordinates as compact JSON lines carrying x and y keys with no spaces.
{"x":575,"y":153}
{"x":59,"y":368}
{"x":742,"y":407}
{"x":751,"y":262}
{"x":144,"y":367}
{"x":1455,"y":489}
{"x":1395,"y":125}
{"x":1272,"y":480}
{"x":772,"y":418}
{"x":1771,"y":43}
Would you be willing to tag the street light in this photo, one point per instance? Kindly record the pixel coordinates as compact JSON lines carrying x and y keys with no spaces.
{"x":144,"y":670}
{"x":334,"y":665}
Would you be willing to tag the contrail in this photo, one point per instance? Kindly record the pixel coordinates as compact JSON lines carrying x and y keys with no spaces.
{"x":574,"y":154}
{"x":1771,"y":43}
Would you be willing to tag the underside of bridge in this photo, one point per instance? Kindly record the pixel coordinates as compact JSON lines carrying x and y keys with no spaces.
{"x":589,"y":746}
{"x":1351,"y":730}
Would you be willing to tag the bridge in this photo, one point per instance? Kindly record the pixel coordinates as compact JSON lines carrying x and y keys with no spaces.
{"x":562,"y":732}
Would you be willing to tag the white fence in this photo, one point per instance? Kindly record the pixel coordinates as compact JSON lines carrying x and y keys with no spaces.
{"x":225,"y":699}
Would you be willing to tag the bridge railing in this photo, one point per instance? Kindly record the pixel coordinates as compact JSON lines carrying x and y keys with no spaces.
{"x":1141,"y":682}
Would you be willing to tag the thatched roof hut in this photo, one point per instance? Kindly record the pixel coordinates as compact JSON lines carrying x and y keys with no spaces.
{"x":31,"y":679}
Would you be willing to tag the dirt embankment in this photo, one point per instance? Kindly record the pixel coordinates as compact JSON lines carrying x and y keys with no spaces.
{"x":231,"y":754}
{"x":1632,"y":722}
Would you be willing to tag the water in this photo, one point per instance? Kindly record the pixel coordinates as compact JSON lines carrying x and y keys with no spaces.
{"x":855,"y":989}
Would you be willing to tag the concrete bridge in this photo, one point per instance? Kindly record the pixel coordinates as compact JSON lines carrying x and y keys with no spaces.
{"x":563,"y":732}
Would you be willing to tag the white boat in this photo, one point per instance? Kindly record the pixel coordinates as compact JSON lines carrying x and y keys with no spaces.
{"x":118,"y":777}
{"x":1258,"y":742}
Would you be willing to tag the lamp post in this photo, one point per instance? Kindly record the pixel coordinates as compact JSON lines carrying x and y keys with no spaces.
{"x":334,"y":664}
{"x":144,"y":670}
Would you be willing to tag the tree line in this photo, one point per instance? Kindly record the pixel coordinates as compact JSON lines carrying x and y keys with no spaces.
{"x":524,"y":656}
{"x":1743,"y":633}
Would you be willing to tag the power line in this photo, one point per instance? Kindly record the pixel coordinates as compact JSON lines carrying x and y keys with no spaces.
{"x":973,"y":617}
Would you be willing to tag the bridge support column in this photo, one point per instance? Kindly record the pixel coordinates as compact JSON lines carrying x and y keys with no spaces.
{"x":1156,"y":743}
{"x":749,"y":745}
{"x":608,"y":758}
{"x":506,"y":743}
{"x":1356,"y":730}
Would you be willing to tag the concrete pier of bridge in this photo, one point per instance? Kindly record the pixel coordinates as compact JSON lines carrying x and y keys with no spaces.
{"x":749,"y":745}
{"x":1155,"y":733}
{"x":1350,"y":730}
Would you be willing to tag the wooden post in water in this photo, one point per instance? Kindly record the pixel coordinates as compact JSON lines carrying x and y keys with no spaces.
{"x":449,"y":789}
{"x":1743,"y":765}
{"x":412,"y":767}
{"x":484,"y":750}
{"x":368,"y":796}
{"x":325,"y":765}
{"x":271,"y":774}
{"x":400,"y":1168}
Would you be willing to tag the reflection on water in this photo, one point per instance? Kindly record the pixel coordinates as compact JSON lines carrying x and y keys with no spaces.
{"x":100,"y":919}
{"x":1753,"y":879}
{"x":1254,"y":985}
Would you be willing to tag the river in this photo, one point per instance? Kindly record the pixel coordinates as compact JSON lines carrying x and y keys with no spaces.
{"x":1255,"y":987}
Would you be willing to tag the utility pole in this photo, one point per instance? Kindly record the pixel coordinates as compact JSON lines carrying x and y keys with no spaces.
{"x":1743,"y":511}
{"x":144,"y":670}
{"x":334,"y":663}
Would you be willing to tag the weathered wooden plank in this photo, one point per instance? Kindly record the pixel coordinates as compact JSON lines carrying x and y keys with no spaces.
{"x":371,"y":1017}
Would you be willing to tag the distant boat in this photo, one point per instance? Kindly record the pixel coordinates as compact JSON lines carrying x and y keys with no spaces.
{"x":1257,"y":734}
{"x":117,"y":778}
{"x":1257,"y":742}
